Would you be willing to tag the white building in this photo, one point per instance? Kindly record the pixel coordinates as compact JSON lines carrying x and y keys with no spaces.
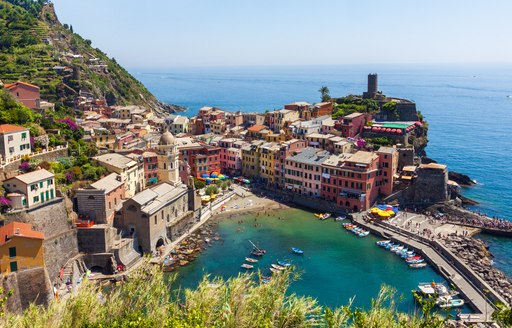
{"x":30,"y":189}
{"x":14,"y":142}
{"x":131,"y":171}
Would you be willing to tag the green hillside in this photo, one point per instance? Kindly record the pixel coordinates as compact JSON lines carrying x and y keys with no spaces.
{"x":35,"y":47}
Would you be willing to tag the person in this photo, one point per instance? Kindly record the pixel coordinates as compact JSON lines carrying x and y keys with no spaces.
{"x":56,"y":292}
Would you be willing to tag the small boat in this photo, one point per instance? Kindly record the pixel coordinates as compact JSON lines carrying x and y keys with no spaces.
{"x":319,"y":215}
{"x":383,"y":243}
{"x":265,"y":279}
{"x":297,"y":250}
{"x":406,"y":255}
{"x":256,"y":253}
{"x":415,"y":261}
{"x":325,"y":216}
{"x":432,"y":289}
{"x":251,"y":260}
{"x":277,"y":267}
{"x":363,"y":233}
{"x":284,"y":264}
{"x":247,"y":266}
{"x":274,"y":270}
{"x":340,"y":218}
{"x":410,"y":258}
{"x":417,"y":265}
{"x":447,"y":302}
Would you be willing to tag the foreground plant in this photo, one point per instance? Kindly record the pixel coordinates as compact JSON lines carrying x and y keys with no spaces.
{"x":149,"y":299}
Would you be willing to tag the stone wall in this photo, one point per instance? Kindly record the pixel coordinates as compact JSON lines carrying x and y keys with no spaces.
{"x":11,"y":169}
{"x":97,"y":239}
{"x":429,"y":187}
{"x":60,"y":242}
{"x":28,"y":286}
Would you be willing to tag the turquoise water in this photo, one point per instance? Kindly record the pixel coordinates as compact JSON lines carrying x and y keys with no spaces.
{"x":467,"y":107}
{"x":336,"y":265}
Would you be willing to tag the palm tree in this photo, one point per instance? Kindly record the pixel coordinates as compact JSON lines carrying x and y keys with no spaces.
{"x":324,"y":91}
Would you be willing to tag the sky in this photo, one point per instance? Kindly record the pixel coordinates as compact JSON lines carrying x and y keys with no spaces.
{"x":195,"y":33}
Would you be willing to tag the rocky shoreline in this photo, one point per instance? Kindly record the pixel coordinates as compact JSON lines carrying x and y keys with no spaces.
{"x":476,"y":255}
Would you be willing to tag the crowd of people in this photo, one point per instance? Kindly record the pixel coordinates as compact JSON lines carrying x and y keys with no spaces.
{"x":479,"y":222}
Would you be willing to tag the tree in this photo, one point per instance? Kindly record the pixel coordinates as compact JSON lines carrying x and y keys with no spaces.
{"x":325,"y":93}
{"x":66,"y":26}
{"x":211,"y":189}
{"x":199,"y":184}
{"x":71,"y":28}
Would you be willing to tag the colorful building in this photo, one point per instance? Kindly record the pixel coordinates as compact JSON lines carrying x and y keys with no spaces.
{"x":14,"y":142}
{"x":26,"y":93}
{"x":131,"y":171}
{"x":303,"y":171}
{"x":269,"y":154}
{"x":21,"y":248}
{"x":351,"y":125}
{"x":286,"y":149}
{"x":278,"y":119}
{"x":251,"y":159}
{"x":30,"y":189}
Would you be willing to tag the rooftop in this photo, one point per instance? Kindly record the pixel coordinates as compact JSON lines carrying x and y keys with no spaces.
{"x":151,"y":200}
{"x":256,"y":128}
{"x":386,"y":150}
{"x":34,"y":176}
{"x":108,"y":183}
{"x":353,"y":115}
{"x":18,"y":229}
{"x":116,"y":160}
{"x":363,"y":157}
{"x":433,"y":166}
{"x":312,"y":156}
{"x":15,"y":84}
{"x":9,"y":128}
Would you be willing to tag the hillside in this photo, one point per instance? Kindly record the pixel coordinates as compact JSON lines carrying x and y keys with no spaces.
{"x":35,"y":47}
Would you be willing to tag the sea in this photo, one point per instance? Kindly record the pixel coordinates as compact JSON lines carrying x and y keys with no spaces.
{"x":468,"y":108}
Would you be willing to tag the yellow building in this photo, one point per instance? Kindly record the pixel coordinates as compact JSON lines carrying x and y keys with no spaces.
{"x":276,"y":137}
{"x":20,"y":247}
{"x":268,"y":155}
{"x":251,"y":159}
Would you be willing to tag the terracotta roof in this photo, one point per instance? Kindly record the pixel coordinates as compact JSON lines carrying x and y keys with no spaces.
{"x":256,"y":128}
{"x":9,"y":128}
{"x":12,"y":85}
{"x":18,"y":229}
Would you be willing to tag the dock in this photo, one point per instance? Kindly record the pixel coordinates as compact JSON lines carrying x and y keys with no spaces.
{"x":436,"y":255}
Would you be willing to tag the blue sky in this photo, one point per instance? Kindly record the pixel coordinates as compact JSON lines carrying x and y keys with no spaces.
{"x":168,"y":33}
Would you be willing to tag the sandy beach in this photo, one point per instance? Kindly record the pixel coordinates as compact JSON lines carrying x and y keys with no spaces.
{"x":247,"y":202}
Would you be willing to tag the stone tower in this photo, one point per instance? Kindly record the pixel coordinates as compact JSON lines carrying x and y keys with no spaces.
{"x":168,"y":160}
{"x":373,"y":87}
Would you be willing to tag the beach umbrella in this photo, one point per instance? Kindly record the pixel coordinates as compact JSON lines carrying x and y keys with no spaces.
{"x":204,"y":175}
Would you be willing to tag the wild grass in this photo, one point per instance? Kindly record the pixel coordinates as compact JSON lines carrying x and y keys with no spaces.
{"x":149,"y":299}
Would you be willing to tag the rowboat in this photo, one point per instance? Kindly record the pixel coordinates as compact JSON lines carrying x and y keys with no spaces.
{"x":340,"y":218}
{"x":274,"y":270}
{"x":251,"y":260}
{"x":415,"y":261}
{"x":247,"y":266}
{"x":383,"y":243}
{"x":325,"y":216}
{"x":417,"y":265}
{"x":284,"y":264}
{"x":277,"y":267}
{"x":297,"y":250}
{"x":256,"y":253}
{"x":319,"y":215}
{"x":265,"y":279}
{"x":410,"y":258}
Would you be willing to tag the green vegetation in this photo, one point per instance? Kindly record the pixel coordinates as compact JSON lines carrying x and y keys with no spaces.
{"x":325,"y":94}
{"x":503,"y":315}
{"x":148,"y":299}
{"x":379,"y":141}
{"x":199,"y":184}
{"x":354,"y":104}
{"x":12,"y":112}
{"x":390,"y":109}
{"x":33,"y":42}
{"x":211,"y":190}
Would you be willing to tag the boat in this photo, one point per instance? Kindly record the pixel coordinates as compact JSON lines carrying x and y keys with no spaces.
{"x":256,"y":253}
{"x":319,"y":215}
{"x":363,"y":233}
{"x":417,"y":265}
{"x":297,"y":250}
{"x":383,"y":243}
{"x":257,"y":249}
{"x":284,"y":264}
{"x":274,"y":270}
{"x":410,"y":258}
{"x":340,"y":218}
{"x":265,"y":279}
{"x":397,"y":249}
{"x":247,"y":266}
{"x":432,"y":289}
{"x":277,"y":267}
{"x":325,"y":216}
{"x":251,"y":260}
{"x":447,"y":302}
{"x":415,"y":261}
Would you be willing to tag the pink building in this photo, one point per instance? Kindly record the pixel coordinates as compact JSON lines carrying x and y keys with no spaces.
{"x":351,"y":125}
{"x":150,"y":167}
{"x":27,"y":94}
{"x":231,"y":161}
{"x":388,"y":166}
{"x":303,"y":172}
{"x":287,"y":149}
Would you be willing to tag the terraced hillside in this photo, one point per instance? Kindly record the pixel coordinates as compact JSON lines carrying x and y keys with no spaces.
{"x":35,"y":47}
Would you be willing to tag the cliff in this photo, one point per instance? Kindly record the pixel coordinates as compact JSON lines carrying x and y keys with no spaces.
{"x":35,"y":47}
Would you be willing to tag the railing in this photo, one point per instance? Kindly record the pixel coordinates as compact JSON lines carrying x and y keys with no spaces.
{"x":4,"y":162}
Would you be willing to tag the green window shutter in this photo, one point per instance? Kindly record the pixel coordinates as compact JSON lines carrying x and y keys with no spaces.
{"x":23,"y":135}
{"x":14,"y":266}
{"x":12,"y":252}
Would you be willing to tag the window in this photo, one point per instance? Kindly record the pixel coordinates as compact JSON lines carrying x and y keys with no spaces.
{"x":36,"y":199}
{"x":12,"y":252}
{"x":11,"y":150}
{"x":33,"y":187}
{"x":14,"y":266}
{"x":41,"y":184}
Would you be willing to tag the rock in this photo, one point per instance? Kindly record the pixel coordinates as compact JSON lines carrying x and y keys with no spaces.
{"x":461,"y":179}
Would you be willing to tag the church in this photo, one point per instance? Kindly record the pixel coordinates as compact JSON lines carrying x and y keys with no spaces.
{"x":163,"y":213}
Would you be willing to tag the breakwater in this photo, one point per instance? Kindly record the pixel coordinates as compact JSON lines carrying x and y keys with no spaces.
{"x":467,"y":282}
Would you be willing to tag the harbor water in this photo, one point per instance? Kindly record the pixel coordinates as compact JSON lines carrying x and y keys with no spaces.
{"x":336,"y":265}
{"x":468,"y":107}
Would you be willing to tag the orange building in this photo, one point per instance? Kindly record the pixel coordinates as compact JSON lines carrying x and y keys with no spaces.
{"x":20,"y":247}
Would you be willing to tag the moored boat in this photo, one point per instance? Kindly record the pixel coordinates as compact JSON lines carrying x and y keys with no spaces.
{"x":284,"y":264}
{"x":383,"y":243}
{"x":363,"y":233}
{"x":340,"y":218}
{"x":432,"y":289}
{"x":417,"y":265}
{"x":251,"y":260}
{"x":297,"y":250}
{"x":274,"y":270}
{"x":325,"y":216}
{"x":278,"y":267}
{"x":447,"y":302}
{"x":256,"y":253}
{"x":247,"y":266}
